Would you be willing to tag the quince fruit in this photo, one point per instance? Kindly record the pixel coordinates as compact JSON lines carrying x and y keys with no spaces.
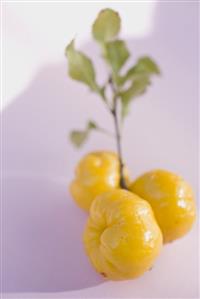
{"x":122,"y":237}
{"x":96,"y":173}
{"x":171,"y":199}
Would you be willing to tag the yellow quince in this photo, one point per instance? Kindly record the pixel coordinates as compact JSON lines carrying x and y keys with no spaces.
{"x":171,"y":199}
{"x":122,"y":237}
{"x":96,"y":173}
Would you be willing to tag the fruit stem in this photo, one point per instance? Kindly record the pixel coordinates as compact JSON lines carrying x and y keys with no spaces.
{"x":114,"y":112}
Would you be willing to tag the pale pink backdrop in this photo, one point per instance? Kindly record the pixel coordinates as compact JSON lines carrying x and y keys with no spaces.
{"x":42,"y":227}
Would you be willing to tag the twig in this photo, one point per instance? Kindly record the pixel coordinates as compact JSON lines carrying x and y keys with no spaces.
{"x":122,"y":181}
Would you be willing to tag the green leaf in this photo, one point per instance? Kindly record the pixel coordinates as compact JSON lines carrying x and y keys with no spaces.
{"x":106,"y":26}
{"x":140,"y":75}
{"x":137,"y":88}
{"x":92,"y":125}
{"x":145,"y":66}
{"x":80,"y":67}
{"x":78,"y":138}
{"x":116,"y":53}
{"x":118,"y":79}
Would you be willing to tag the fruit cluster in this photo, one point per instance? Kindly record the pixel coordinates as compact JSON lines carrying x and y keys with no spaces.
{"x":128,"y":222}
{"x":126,"y":228}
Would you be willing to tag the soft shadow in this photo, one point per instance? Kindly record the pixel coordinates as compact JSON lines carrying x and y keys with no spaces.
{"x":43,"y":228}
{"x":43,"y":248}
{"x":36,"y":123}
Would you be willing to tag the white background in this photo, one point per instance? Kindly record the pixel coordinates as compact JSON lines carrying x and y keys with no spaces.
{"x":40,"y":106}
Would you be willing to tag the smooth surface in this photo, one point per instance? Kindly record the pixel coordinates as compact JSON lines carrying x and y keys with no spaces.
{"x":43,"y":237}
{"x":161,"y":132}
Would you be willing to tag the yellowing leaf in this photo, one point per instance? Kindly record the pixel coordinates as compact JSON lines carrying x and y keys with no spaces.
{"x":106,"y":26}
{"x":116,"y":53}
{"x":80,"y":67}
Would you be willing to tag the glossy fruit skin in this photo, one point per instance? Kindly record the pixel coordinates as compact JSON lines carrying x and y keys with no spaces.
{"x":122,"y":237}
{"x":96,"y":173}
{"x":171,"y":199}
